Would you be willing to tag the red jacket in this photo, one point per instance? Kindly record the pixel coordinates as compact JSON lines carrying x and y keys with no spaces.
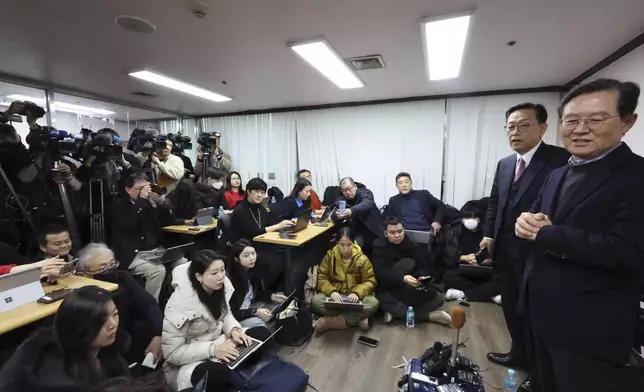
{"x":316,"y":204}
{"x":5,"y":269}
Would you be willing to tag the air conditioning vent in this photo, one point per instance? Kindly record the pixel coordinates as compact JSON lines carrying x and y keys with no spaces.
{"x":364,"y":63}
{"x":142,"y":94}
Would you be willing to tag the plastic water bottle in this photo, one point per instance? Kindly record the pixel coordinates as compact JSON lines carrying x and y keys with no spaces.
{"x":511,"y":381}
{"x":221,"y":212}
{"x":411,"y":317}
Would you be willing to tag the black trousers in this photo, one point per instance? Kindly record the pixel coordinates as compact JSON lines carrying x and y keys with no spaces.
{"x":563,"y":370}
{"x":510,"y":269}
{"x":271,"y":266}
{"x":218,"y":373}
{"x":475,"y":290}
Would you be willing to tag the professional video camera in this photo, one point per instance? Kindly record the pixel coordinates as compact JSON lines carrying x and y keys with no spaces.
{"x":58,"y":143}
{"x":180,"y":142}
{"x":142,"y":140}
{"x":103,"y":147}
{"x":208,"y":139}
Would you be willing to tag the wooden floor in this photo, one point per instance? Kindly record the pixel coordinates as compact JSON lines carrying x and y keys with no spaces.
{"x":336,"y":362}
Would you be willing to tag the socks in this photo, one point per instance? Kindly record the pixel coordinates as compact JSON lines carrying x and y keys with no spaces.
{"x":453,"y":294}
{"x":497,"y":299}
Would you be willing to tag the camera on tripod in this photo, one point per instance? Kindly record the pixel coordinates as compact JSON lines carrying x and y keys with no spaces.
{"x":103,"y":147}
{"x":208,"y":140}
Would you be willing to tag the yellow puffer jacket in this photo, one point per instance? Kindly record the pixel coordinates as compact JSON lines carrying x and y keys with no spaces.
{"x":355,"y":277}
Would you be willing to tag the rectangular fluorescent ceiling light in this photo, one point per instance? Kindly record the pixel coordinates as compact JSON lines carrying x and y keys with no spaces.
{"x":444,"y":38}
{"x":62,"y":106}
{"x":323,"y":58}
{"x":174,"y":84}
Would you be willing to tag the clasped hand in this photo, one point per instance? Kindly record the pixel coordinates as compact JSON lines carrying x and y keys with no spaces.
{"x":528,"y":225}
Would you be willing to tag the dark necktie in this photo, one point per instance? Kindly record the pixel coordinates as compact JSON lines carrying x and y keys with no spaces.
{"x":520,"y":169}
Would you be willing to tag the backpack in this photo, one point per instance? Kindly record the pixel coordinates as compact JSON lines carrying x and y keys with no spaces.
{"x":297,"y":326}
{"x":270,"y":374}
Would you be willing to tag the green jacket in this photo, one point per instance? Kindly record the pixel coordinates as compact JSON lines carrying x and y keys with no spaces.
{"x":346,"y":278}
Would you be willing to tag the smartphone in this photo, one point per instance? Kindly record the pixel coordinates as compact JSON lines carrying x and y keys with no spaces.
{"x":482,"y":254}
{"x":342,"y":206}
{"x":68,"y":268}
{"x":367,"y":341}
{"x":54,"y":296}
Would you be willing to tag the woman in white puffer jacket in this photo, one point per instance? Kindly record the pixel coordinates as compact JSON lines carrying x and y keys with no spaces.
{"x":199,"y":331}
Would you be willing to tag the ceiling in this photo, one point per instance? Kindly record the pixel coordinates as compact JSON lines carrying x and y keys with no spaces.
{"x":75,"y":43}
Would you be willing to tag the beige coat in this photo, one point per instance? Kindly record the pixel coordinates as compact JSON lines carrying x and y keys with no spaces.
{"x":190,"y":333}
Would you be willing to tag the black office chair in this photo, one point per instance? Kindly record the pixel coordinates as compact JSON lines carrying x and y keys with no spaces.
{"x":225,"y":235}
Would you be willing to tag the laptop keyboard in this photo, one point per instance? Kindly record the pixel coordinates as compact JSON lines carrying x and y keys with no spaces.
{"x":244,"y":351}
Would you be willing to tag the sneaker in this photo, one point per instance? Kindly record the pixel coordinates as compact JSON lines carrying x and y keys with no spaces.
{"x":441,"y":317}
{"x":497,"y":299}
{"x":453,"y":294}
{"x":388,"y":317}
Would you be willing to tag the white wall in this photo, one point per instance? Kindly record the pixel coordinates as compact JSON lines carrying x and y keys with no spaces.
{"x":630,"y":68}
{"x":73,"y":123}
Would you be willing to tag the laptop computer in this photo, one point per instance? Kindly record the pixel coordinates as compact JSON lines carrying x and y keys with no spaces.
{"x":246,"y":351}
{"x":277,"y":308}
{"x":303,"y":219}
{"x":172,"y":254}
{"x":20,"y":288}
{"x":329,"y":303}
{"x":204,"y":216}
{"x":328,"y":213}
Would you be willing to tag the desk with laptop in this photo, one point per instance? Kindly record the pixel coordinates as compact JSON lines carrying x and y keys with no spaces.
{"x":302,"y":233}
{"x":20,"y":291}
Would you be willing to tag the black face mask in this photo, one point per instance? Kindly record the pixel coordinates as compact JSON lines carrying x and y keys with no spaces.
{"x":108,"y":276}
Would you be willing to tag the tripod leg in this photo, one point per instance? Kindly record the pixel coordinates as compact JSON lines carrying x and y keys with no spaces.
{"x":69,"y":214}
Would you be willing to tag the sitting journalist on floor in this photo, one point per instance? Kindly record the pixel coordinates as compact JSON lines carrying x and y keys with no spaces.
{"x":417,"y":210}
{"x":139,"y":313}
{"x":460,"y":245}
{"x":138,"y":221}
{"x":361,"y":213}
{"x":83,"y":348}
{"x":298,"y":200}
{"x":199,"y":331}
{"x":250,"y":297}
{"x":399,"y":263}
{"x":250,"y":219}
{"x":345,"y":271}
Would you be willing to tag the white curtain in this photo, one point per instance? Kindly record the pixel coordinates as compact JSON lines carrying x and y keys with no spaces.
{"x":372,"y":144}
{"x":476,"y":141}
{"x":262,"y":145}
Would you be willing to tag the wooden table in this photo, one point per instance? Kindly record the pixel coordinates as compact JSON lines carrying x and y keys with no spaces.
{"x":302,"y":237}
{"x":34,"y":311}
{"x":185,"y":229}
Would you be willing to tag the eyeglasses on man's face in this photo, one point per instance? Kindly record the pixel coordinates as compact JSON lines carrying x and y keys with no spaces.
{"x":593,"y":123}
{"x":522,"y":127}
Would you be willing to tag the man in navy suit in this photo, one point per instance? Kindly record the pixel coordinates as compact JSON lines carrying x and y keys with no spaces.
{"x":517,"y":181}
{"x":586,"y":267}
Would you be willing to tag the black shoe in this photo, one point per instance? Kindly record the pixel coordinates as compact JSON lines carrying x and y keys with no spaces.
{"x":508,"y":360}
{"x":526,"y":386}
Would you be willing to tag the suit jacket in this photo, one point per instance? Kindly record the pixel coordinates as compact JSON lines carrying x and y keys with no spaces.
{"x":585,"y":271}
{"x":545,"y":159}
{"x":433,"y":209}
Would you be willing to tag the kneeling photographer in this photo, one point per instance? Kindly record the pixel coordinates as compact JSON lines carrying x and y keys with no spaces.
{"x":167,"y":169}
{"x":137,"y":230}
{"x":210,"y":154}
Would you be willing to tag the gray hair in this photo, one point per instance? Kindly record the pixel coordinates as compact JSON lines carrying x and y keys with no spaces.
{"x":89,"y":253}
{"x":346,"y":180}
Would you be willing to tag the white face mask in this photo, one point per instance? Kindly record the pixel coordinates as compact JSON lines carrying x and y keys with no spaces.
{"x":217,"y":185}
{"x":471,"y":224}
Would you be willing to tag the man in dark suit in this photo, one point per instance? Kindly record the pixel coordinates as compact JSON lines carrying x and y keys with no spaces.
{"x":517,"y":181}
{"x":418,"y":210}
{"x":587,"y":225}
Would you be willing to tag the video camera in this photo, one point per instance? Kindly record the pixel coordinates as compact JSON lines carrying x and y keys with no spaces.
{"x":208,"y":140}
{"x":104,"y":146}
{"x":58,"y":143}
{"x":180,"y":142}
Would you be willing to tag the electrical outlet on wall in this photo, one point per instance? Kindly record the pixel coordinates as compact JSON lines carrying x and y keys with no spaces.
{"x":271,"y":176}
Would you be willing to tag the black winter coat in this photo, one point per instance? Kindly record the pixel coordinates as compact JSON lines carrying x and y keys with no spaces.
{"x":365,"y":211}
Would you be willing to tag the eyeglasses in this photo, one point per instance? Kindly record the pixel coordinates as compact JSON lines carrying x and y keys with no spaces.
{"x":593,"y":123}
{"x":521,"y":127}
{"x":347,"y":189}
{"x":107,"y":268}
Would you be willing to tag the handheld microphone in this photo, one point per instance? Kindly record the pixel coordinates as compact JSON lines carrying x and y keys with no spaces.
{"x":458,"y":320}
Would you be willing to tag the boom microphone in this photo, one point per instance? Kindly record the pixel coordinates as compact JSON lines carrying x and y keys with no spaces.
{"x":458,"y":320}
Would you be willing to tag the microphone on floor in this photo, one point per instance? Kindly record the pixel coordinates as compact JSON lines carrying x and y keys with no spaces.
{"x":458,"y":320}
